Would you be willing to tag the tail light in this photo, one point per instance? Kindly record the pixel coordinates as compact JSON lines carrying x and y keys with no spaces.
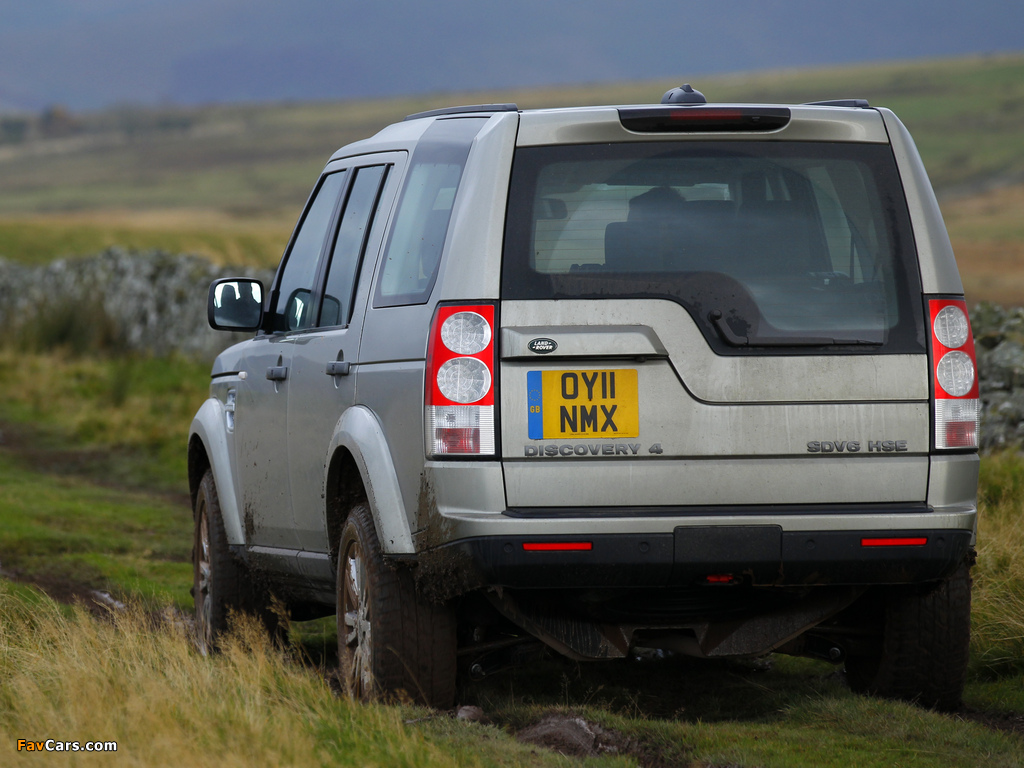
{"x":459,"y":386}
{"x":955,"y":403}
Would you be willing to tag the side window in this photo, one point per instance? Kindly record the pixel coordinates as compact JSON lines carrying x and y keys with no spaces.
{"x":349,"y":244}
{"x":294,"y":300}
{"x":418,"y":233}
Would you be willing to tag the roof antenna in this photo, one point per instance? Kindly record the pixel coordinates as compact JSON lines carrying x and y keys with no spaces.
{"x":684,"y":95}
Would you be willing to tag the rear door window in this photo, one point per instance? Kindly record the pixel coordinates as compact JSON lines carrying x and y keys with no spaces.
{"x":346,"y":255}
{"x":767,"y":244}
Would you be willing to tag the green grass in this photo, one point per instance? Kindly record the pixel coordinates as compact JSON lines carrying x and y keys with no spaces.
{"x":93,"y":471}
{"x":66,"y":532}
{"x":123,"y":419}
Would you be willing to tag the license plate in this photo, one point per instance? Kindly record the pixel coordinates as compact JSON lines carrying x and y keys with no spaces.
{"x":592,"y":403}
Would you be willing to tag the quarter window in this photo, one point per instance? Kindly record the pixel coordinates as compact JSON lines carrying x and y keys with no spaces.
{"x":417,"y":237}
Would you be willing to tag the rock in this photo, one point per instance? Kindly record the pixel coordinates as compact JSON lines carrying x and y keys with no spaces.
{"x":575,"y":736}
{"x":568,"y":735}
{"x":470,"y":713}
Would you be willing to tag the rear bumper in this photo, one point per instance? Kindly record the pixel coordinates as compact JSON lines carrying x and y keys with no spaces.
{"x":763,"y":555}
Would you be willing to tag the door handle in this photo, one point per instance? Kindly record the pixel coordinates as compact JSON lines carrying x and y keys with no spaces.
{"x":338,"y":368}
{"x":277,"y":373}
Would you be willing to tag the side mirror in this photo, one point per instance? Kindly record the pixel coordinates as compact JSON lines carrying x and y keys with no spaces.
{"x":235,"y":304}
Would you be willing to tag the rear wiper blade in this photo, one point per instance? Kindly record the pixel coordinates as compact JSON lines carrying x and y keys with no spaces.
{"x":796,"y":340}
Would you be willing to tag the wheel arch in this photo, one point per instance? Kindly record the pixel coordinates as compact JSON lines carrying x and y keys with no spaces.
{"x":360,"y":468}
{"x":198,"y":463}
{"x":209,"y":449}
{"x":344,"y":489}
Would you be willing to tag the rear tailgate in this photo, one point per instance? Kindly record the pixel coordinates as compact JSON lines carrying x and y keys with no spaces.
{"x":633,"y":408}
{"x":695,"y":323}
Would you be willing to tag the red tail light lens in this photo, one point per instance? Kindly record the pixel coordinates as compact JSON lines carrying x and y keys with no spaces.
{"x":459,"y":385}
{"x":955,"y":405}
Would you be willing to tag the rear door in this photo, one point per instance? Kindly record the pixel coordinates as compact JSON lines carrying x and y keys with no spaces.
{"x":689,"y":324}
{"x":325,"y":360}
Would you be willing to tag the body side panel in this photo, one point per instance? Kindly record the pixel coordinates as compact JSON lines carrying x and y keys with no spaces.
{"x":939,"y":272}
{"x":471,"y":266}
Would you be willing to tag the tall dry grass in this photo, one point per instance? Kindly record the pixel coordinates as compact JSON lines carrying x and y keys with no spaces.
{"x":66,"y":675}
{"x":997,"y":619}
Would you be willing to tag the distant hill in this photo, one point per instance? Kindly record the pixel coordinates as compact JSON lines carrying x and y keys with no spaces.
{"x":965,"y":114}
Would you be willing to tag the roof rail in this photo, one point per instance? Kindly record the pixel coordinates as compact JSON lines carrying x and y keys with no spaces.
{"x":465,"y":110}
{"x":861,"y":103}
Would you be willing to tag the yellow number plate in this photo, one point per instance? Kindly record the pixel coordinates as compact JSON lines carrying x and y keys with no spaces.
{"x":602,"y":403}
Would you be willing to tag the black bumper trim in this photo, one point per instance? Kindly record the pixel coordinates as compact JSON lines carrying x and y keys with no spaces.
{"x":759,"y":554}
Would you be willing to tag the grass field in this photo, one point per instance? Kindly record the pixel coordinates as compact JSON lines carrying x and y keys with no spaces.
{"x":79,"y":512}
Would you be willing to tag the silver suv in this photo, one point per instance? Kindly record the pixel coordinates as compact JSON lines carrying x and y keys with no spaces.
{"x":681,"y":376}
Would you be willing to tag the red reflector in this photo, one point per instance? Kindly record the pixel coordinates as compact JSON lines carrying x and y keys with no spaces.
{"x":557,"y":546}
{"x":909,"y":541}
{"x":720,"y":578}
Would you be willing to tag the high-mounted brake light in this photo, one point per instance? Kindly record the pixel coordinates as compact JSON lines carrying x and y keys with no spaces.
{"x":701,"y":119}
{"x":955,"y":403}
{"x":459,"y":384}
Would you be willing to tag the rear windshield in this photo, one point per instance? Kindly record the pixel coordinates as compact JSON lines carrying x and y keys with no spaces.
{"x":766,"y":244}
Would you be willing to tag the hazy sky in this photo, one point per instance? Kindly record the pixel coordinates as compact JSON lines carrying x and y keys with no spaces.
{"x":89,"y":54}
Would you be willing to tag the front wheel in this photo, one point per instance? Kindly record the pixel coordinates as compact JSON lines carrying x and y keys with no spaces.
{"x":216,"y":576}
{"x":922,"y":653}
{"x":220,"y":583}
{"x":391,"y":642}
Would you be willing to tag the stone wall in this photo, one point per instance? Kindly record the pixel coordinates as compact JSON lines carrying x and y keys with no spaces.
{"x":155,"y":302}
{"x":999,"y":342}
{"x":117,"y":301}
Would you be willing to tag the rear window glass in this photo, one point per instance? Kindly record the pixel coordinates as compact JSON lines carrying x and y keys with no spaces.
{"x":767,"y":244}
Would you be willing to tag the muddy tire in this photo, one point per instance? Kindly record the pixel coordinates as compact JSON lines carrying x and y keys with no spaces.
{"x":392,"y":643}
{"x":923,"y":651}
{"x":220,"y":583}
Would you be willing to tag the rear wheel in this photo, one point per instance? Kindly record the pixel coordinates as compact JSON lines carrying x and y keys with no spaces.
{"x":391,"y":642}
{"x":923,"y":650}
